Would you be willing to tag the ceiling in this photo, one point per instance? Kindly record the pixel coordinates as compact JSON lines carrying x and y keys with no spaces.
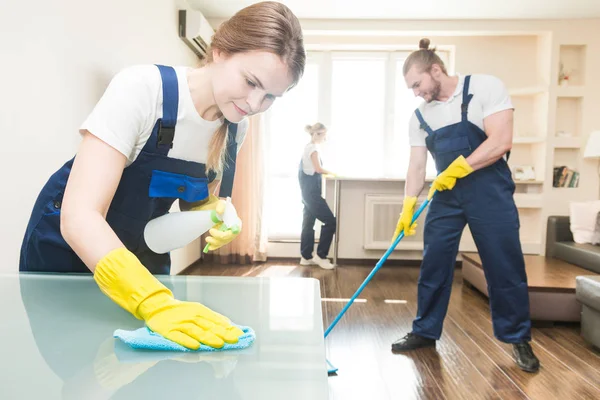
{"x":416,"y":9}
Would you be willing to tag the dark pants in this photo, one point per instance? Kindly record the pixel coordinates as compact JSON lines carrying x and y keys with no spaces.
{"x":494,"y":224}
{"x":316,"y":208}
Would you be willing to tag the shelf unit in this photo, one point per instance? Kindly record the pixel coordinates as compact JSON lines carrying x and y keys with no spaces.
{"x":549,"y":131}
{"x":528,"y":140}
{"x":567,"y":133}
{"x":567,"y":142}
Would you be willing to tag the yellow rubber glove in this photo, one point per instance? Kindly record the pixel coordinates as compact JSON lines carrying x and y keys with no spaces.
{"x":408,"y":210}
{"x":122,"y":277}
{"x":212,"y":202}
{"x":217,"y":236}
{"x":447,"y":179}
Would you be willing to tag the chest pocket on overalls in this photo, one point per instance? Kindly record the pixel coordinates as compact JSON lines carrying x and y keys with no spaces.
{"x":171,"y":185}
{"x":452,"y":144}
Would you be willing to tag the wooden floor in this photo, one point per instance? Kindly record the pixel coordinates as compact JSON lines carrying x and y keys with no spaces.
{"x":469,"y":362}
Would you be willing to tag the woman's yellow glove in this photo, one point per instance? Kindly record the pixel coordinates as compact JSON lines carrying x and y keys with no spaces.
{"x":217,"y":236}
{"x":122,"y":277}
{"x":212,"y":202}
{"x":447,"y":179}
{"x":408,"y":210}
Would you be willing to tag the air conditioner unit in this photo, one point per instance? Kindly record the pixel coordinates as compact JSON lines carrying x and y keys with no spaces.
{"x":195,"y":31}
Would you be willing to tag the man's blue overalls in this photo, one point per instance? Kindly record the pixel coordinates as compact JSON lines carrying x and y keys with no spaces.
{"x":147,"y":190}
{"x":484,"y":200}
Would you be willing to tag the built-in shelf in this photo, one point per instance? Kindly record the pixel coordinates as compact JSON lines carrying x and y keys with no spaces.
{"x":529,"y":182}
{"x":570,"y":91}
{"x":528,"y":139}
{"x":572,"y":57}
{"x":527,"y":91}
{"x":567,"y":143}
{"x":528,"y":200}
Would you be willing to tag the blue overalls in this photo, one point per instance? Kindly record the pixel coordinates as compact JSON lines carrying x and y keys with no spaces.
{"x":315,"y":207}
{"x":484,"y":200}
{"x":147,"y":190}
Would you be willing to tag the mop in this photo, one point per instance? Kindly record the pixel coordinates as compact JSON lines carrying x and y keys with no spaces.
{"x":331,"y":369}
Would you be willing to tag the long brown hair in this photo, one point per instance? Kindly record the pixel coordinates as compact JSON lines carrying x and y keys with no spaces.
{"x":266,"y":26}
{"x":424,"y":58}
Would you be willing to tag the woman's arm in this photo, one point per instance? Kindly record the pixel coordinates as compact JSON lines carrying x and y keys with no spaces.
{"x":93,"y":181}
{"x":317,"y":164}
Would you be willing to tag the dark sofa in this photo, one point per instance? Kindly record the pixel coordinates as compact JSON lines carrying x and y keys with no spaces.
{"x":560,"y":244}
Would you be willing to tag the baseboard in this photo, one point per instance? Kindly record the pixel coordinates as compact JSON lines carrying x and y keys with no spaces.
{"x":363,"y":261}
{"x":295,"y":260}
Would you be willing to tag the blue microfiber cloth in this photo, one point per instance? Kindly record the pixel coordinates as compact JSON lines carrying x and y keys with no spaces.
{"x":146,"y":339}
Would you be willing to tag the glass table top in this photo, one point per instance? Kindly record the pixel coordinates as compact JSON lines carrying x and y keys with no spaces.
{"x":56,"y":342}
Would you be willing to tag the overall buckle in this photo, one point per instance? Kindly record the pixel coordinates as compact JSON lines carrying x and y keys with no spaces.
{"x":166,"y":135}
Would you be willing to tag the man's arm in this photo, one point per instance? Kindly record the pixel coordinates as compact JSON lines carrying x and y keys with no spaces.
{"x":499,"y":129}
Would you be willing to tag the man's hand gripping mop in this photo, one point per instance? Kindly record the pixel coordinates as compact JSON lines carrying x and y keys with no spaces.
{"x":330,"y":368}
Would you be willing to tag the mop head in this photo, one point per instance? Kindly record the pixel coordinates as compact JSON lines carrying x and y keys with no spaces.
{"x":145,"y":339}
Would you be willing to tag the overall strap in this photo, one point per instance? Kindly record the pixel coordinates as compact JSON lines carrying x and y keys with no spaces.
{"x":226,"y":187}
{"x":423,"y":124}
{"x":166,"y":125}
{"x":466,"y":98}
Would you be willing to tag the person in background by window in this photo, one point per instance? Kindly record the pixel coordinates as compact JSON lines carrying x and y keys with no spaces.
{"x":466,"y":122}
{"x":315,"y":206}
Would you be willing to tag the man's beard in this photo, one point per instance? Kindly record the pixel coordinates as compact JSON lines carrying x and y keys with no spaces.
{"x":435,"y":93}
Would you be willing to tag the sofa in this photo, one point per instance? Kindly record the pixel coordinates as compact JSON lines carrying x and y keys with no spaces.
{"x":560,"y":244}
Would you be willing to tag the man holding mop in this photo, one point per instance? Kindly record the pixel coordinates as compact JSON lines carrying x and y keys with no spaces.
{"x":467,"y":125}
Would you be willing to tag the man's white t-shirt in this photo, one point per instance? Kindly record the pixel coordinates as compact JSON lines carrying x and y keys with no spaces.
{"x":129,"y":108}
{"x":307,"y":164}
{"x":489,"y":96}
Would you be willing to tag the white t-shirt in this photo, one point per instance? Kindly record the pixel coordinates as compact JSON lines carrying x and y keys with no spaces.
{"x":489,"y":96}
{"x":307,"y":164}
{"x":125,"y":115}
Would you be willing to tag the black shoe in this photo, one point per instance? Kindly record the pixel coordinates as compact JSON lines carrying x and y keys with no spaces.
{"x":411,"y":342}
{"x":525,"y":358}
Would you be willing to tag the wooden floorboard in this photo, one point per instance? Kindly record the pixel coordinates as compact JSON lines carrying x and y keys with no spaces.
{"x":468,"y":362}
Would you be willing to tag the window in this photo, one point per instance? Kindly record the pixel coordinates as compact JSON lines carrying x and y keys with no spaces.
{"x":286,"y":139}
{"x":405,"y":105}
{"x":362,"y":98}
{"x":356,"y":134}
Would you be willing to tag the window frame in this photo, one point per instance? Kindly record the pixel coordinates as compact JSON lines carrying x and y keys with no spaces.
{"x":323,"y":57}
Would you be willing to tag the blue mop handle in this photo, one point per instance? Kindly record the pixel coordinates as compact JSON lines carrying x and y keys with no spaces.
{"x":379,"y":265}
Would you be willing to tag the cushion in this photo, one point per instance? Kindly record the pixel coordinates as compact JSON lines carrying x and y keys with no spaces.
{"x":584,"y":255}
{"x":584,"y":221}
{"x":588,"y":290}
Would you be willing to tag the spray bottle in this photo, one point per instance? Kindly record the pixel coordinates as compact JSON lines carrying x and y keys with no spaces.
{"x":175,"y":230}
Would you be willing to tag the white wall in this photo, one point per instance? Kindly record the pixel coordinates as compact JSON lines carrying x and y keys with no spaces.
{"x":57,"y":59}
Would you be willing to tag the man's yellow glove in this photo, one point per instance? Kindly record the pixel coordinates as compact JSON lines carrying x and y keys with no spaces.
{"x":122,"y":277}
{"x":447,"y":179}
{"x":408,"y":210}
{"x":218,"y":236}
